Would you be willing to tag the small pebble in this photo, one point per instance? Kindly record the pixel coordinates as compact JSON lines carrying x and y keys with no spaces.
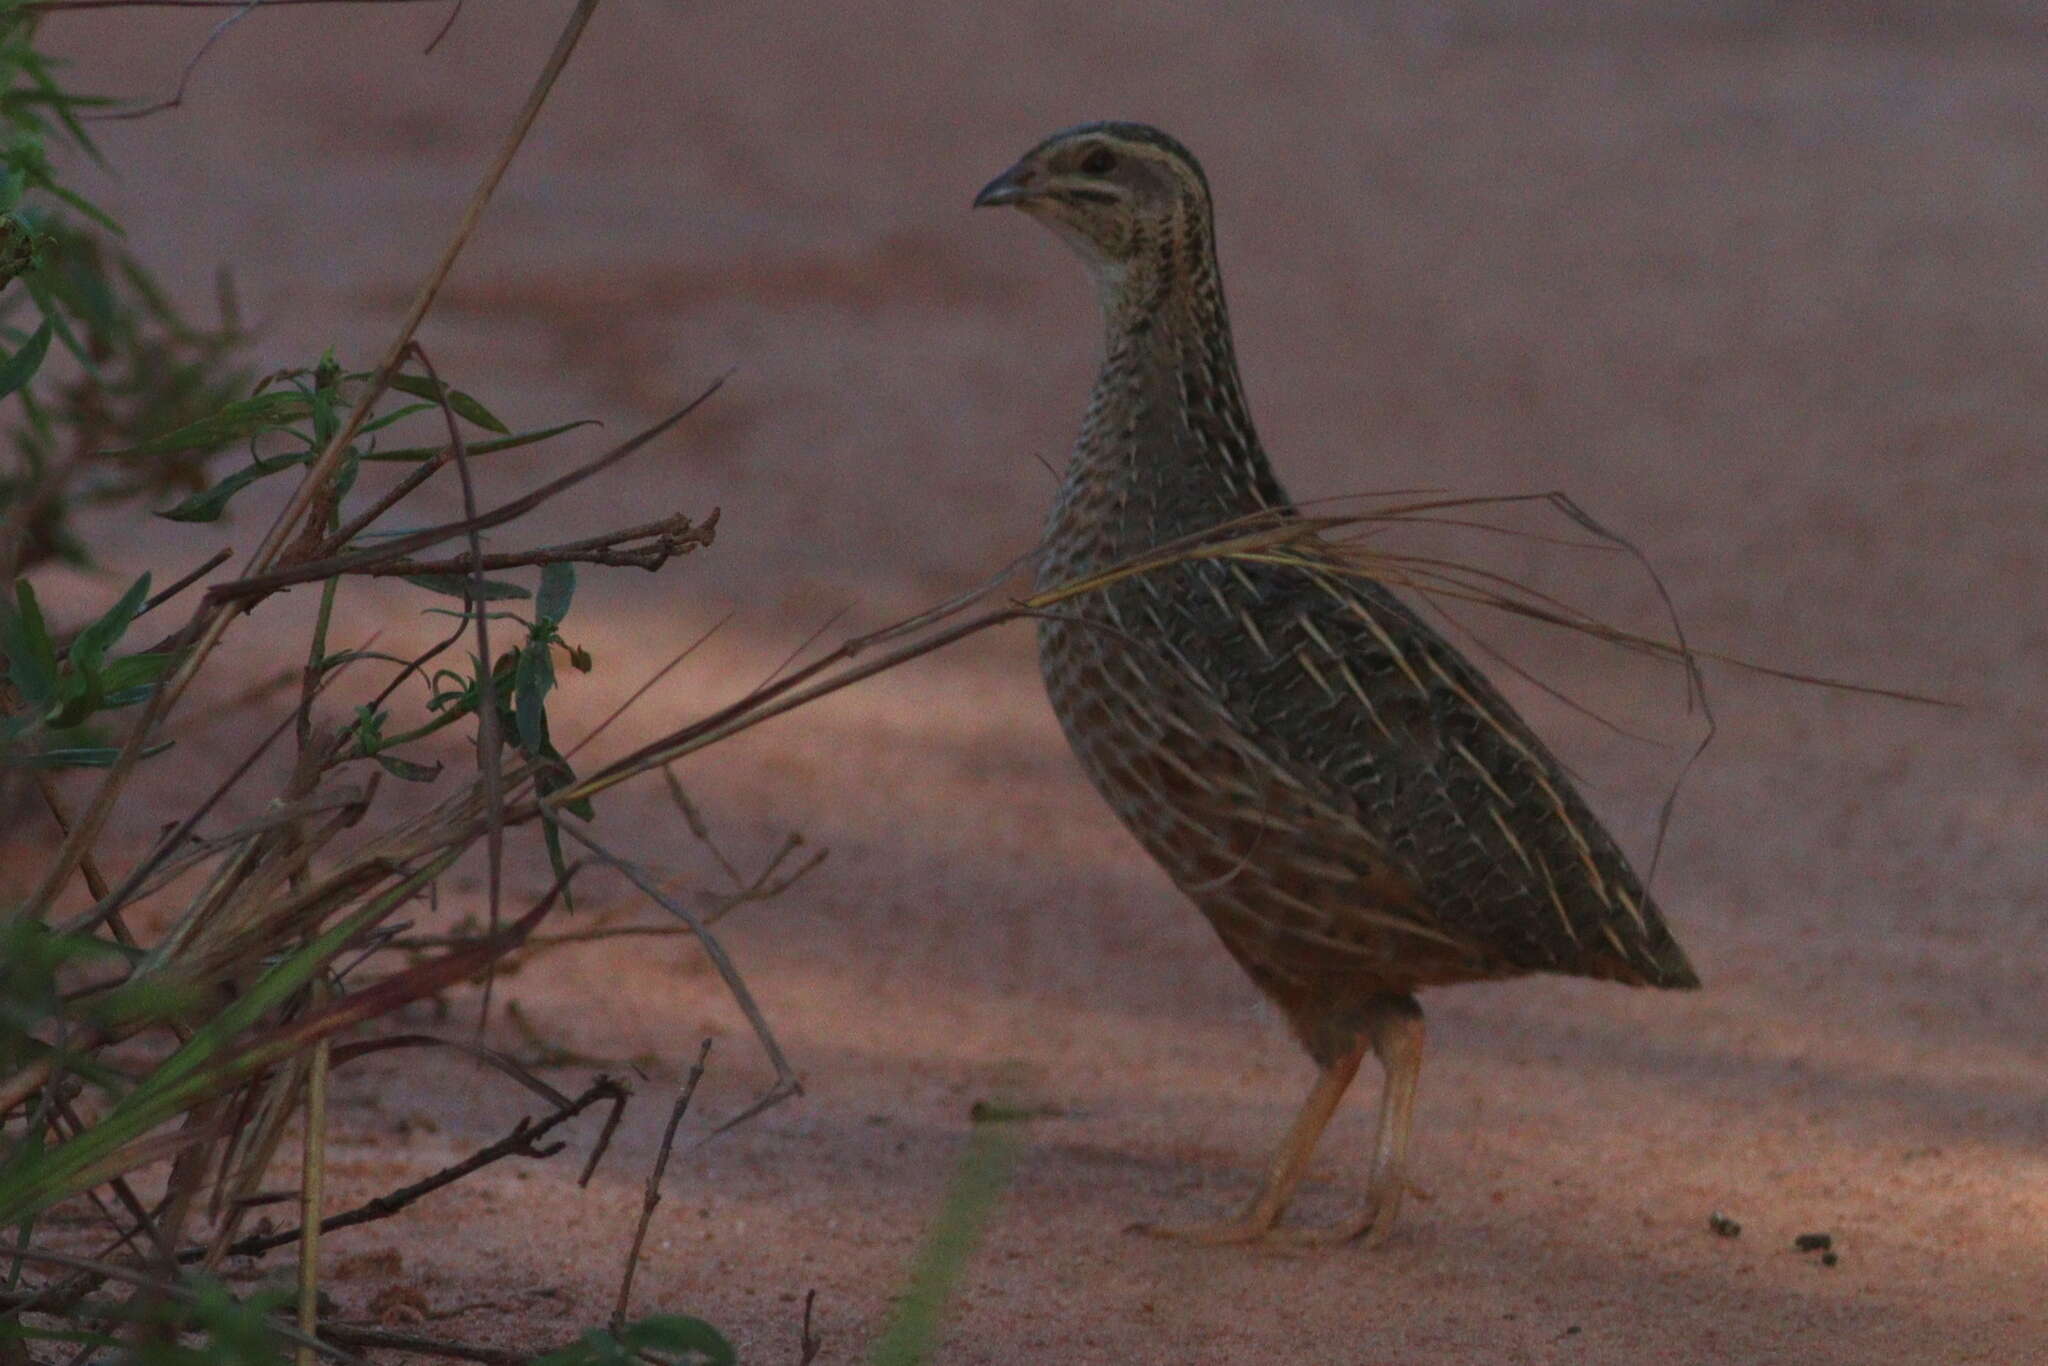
{"x":1829,"y":1259}
{"x":1722,"y":1226}
{"x":1814,"y":1242}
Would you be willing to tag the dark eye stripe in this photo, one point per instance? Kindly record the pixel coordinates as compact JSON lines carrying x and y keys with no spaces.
{"x":1089,"y":196}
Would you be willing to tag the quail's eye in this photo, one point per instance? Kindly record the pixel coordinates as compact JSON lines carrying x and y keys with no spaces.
{"x":1101,"y":161}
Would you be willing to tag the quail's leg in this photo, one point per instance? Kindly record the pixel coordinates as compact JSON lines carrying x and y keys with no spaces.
{"x":1395,"y":1031}
{"x":1256,"y":1220}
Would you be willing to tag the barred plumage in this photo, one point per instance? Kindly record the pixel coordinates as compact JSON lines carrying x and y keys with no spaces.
{"x":1348,"y":801}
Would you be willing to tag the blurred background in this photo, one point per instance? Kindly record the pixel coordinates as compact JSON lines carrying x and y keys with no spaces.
{"x":1761,"y":285}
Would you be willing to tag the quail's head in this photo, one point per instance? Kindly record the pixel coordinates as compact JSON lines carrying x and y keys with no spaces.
{"x":1120,"y":194}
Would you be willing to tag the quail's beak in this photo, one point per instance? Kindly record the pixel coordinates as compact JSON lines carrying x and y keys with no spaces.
{"x":1013,"y":186}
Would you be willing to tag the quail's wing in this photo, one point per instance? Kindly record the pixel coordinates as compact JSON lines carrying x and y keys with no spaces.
{"x":1343,"y":686}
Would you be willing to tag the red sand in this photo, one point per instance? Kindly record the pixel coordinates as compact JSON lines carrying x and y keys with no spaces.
{"x":1767,"y":300}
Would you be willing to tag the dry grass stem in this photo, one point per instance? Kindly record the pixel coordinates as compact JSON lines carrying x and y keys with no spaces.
{"x":652,"y":1197}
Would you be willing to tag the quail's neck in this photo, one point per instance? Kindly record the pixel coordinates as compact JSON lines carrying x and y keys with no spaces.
{"x":1167,"y":447}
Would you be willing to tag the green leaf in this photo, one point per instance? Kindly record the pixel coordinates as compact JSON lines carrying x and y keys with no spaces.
{"x":557,"y":588}
{"x":376,"y":424}
{"x":461,"y":404}
{"x":410,"y":454}
{"x":242,"y":418}
{"x":208,"y":504}
{"x":31,"y":654}
{"x":674,"y":1333}
{"x":91,"y":644}
{"x":530,"y":689}
{"x":52,"y":313}
{"x":133,"y":671}
{"x":407,"y":769}
{"x":21,"y":367}
{"x":89,"y":209}
{"x":324,"y":420}
{"x":86,"y":756}
{"x":463,"y":586}
{"x":660,"y":1333}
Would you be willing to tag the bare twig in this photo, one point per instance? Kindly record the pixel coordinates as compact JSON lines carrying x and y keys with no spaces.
{"x":653,"y":1193}
{"x":177,"y":96}
{"x":354,"y":1335}
{"x":786,"y":1083}
{"x":312,"y":1188}
{"x":809,"y":1344}
{"x":256,"y":586}
{"x":164,"y":595}
{"x":523,"y":1141}
{"x":667,"y":538}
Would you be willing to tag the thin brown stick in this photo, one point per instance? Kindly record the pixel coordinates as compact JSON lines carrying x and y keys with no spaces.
{"x":489,"y":739}
{"x":786,"y":1082}
{"x":809,"y":1344}
{"x":88,"y":866}
{"x":312,"y":1188}
{"x":669,"y":537}
{"x":652,"y":1197}
{"x":164,"y":595}
{"x":523,"y":1141}
{"x":646,"y":687}
{"x":353,"y":1335}
{"x":256,"y":586}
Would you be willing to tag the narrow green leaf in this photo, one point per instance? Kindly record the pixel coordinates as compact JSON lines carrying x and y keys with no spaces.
{"x":557,"y":589}
{"x":79,"y":696}
{"x":89,"y":209}
{"x":90,"y":646}
{"x":132,"y":671}
{"x":242,"y":418}
{"x":53,"y":313}
{"x":463,"y":406}
{"x":19,"y":368}
{"x":31,"y":654}
{"x":530,"y":692}
{"x":406,"y":769}
{"x":208,"y":504}
{"x":399,"y":414}
{"x":324,"y":420}
{"x":412,"y":454}
{"x":84,"y":756}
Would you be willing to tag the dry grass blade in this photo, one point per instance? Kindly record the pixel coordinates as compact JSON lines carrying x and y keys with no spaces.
{"x":786,"y":1083}
{"x":489,"y":741}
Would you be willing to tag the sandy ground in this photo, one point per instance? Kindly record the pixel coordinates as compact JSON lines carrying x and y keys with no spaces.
{"x":1766,"y":297}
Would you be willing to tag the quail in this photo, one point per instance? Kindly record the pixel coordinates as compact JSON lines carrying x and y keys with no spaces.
{"x":1354,"y":808}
